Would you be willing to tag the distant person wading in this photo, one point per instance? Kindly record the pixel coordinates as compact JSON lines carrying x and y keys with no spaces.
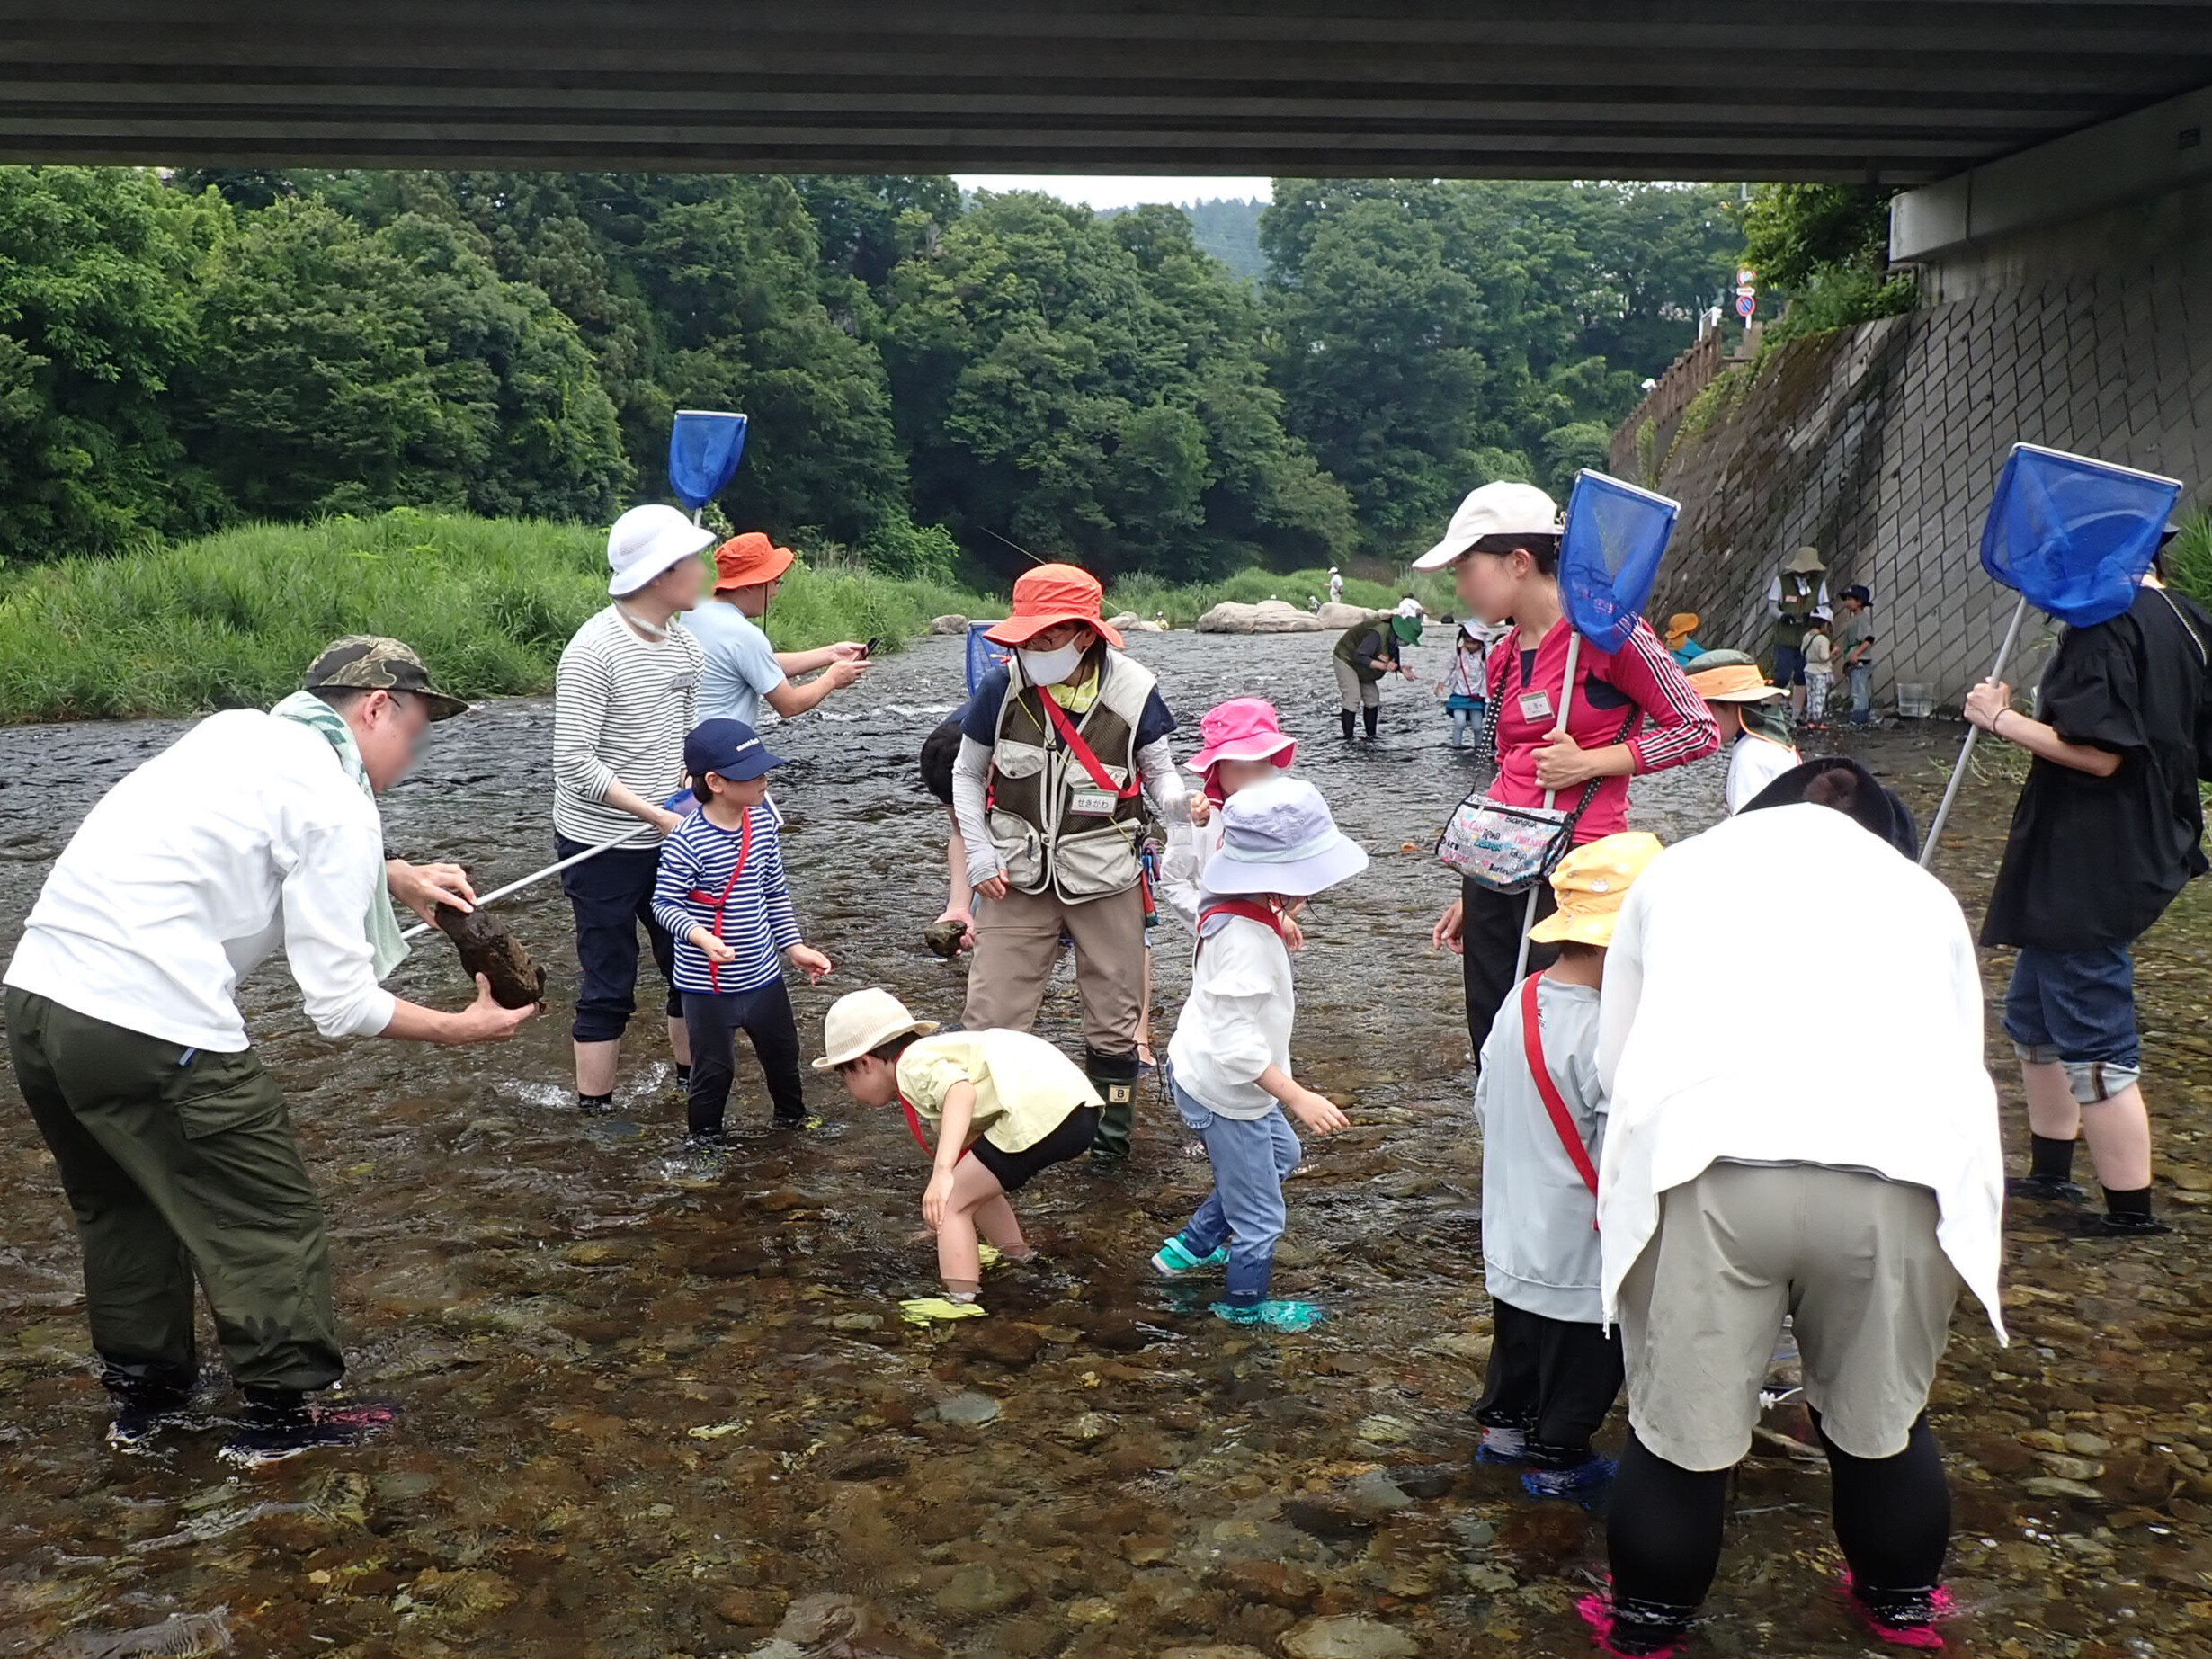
{"x":1057,"y":750}
{"x":1364,"y":655}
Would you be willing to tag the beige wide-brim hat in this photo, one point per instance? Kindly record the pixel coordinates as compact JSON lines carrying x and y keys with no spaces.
{"x":1804,"y":562}
{"x":862,"y":1022}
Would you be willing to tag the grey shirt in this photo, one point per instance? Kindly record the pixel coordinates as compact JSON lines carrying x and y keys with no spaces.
{"x":1539,"y":1218}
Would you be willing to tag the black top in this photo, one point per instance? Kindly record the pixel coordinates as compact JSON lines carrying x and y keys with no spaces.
{"x":1364,"y":645}
{"x":2093,"y":860}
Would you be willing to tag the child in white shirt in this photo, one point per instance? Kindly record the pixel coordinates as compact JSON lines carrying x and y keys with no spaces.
{"x":1819,"y":670}
{"x":1229,"y":1064}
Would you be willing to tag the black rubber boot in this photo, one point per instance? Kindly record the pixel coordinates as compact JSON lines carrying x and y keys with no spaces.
{"x":1350,"y":724}
{"x":1373,"y":716}
{"x":1114,"y":1076}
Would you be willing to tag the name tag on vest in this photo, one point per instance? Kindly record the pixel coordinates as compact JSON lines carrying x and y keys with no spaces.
{"x":1093,"y":804}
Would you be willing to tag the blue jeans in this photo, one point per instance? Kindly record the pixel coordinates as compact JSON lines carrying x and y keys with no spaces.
{"x":1861,"y":676}
{"x":2075,"y":1006}
{"x":1466,"y":725}
{"x":612,"y":897}
{"x":1245,"y":1210}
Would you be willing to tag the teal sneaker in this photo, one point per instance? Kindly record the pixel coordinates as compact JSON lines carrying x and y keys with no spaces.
{"x":1275,"y":1315}
{"x":1174,"y":1259}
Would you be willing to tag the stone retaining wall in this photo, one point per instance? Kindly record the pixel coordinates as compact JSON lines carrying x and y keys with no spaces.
{"x":1880,"y":445}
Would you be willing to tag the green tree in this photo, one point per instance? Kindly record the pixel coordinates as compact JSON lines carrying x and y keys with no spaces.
{"x":1826,"y":247}
{"x":95,"y":318}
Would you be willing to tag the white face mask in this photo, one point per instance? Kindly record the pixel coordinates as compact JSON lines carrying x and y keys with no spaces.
{"x":1051,"y":667}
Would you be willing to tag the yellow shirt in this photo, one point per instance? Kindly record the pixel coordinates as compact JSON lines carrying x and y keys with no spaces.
{"x":1024,"y":1086}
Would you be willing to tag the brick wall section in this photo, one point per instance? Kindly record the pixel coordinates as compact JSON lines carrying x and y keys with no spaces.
{"x":1880,"y":445}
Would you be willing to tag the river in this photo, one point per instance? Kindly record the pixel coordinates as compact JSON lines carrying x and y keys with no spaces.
{"x":652,"y":1406}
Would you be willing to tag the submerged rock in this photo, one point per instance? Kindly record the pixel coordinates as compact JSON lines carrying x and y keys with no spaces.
{"x":968,"y":1410}
{"x":979,"y":1590}
{"x":488,"y":948}
{"x":1349,"y":1635}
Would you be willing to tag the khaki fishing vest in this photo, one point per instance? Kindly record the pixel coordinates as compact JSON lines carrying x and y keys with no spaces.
{"x":1053,"y":826}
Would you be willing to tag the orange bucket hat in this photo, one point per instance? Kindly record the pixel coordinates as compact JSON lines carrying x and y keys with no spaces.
{"x":748,"y":560}
{"x":1051,"y":595}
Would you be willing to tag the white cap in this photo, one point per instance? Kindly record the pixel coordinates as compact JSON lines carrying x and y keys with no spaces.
{"x":1500,"y":509}
{"x":647,"y":541}
{"x":862,"y":1022}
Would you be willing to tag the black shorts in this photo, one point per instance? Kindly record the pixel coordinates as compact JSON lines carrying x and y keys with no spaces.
{"x":1014,"y":1170}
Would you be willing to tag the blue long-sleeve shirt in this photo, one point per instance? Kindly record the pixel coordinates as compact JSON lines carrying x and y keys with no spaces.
{"x":756,"y":919}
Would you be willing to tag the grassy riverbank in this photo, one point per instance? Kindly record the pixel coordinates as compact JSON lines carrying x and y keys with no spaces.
{"x":231,"y":620}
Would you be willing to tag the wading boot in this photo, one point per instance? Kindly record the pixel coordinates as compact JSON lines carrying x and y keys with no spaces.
{"x":1351,"y":723}
{"x":1114,"y":1076}
{"x":1373,"y":716}
{"x":148,"y":1400}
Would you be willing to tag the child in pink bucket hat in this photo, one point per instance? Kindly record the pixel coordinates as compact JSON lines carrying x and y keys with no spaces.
{"x":1240,"y":743}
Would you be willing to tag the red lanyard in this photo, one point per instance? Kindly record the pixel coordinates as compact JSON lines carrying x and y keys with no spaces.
{"x":1244,"y":907}
{"x":1562,"y":1121}
{"x":744,"y":851}
{"x":913,"y":1122}
{"x":1082,"y":750}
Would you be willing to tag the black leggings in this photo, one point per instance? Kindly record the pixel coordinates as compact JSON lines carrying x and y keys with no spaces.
{"x":1490,"y":939}
{"x":1893,"y":1516}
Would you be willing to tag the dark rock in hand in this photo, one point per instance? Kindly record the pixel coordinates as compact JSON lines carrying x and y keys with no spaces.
{"x":486,"y":947}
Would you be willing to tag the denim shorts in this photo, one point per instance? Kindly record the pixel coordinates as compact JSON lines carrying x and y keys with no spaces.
{"x":2074,"y":1005}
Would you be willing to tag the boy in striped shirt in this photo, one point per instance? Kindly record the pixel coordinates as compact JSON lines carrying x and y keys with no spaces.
{"x":722,"y":897}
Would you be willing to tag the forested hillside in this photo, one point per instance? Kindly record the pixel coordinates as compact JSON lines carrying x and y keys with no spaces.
{"x":181,"y":352}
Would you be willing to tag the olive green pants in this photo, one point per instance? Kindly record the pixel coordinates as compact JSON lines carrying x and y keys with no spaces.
{"x":179,"y":1164}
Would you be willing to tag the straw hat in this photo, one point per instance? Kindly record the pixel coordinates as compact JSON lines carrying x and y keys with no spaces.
{"x":1051,"y":595}
{"x":1804,"y":562}
{"x":1278,"y":837}
{"x":1591,"y":882}
{"x":862,"y":1022}
{"x":1731,"y":677}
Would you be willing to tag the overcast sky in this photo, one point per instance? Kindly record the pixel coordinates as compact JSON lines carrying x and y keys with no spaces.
{"x":1116,"y":193}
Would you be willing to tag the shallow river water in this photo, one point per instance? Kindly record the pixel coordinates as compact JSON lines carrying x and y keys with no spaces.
{"x":655,"y":1408}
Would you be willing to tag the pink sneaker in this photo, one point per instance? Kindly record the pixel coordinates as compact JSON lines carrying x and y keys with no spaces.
{"x":1910,"y":1631}
{"x":1597,"y":1612}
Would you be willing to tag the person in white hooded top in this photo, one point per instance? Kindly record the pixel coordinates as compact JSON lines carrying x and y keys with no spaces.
{"x":1740,"y":1183}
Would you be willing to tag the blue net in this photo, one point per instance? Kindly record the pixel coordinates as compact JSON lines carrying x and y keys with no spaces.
{"x":704,"y":447}
{"x":1609,"y":555}
{"x":2072,"y":534}
{"x":982,"y":656}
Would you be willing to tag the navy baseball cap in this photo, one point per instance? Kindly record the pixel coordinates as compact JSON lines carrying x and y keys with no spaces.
{"x":728,"y":749}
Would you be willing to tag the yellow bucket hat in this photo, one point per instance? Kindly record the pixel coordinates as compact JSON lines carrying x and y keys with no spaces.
{"x":1590,"y":883}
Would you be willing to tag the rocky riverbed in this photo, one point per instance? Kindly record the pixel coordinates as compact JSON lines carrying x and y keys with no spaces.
{"x":656,"y":1407}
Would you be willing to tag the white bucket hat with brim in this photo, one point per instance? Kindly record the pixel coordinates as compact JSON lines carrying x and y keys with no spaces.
{"x":1278,"y":837}
{"x":647,"y":541}
{"x":862,"y":1022}
{"x":1502,"y":508}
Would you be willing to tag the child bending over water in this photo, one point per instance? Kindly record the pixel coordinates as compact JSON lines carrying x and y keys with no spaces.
{"x":1004,"y":1104}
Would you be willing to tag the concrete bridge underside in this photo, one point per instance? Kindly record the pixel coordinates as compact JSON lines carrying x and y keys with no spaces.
{"x":1885,"y":90}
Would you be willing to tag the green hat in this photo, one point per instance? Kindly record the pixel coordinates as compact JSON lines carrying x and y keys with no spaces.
{"x":369,"y":662}
{"x":1407,"y":629}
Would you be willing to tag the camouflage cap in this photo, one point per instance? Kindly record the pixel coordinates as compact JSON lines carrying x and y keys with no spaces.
{"x":367,"y":663}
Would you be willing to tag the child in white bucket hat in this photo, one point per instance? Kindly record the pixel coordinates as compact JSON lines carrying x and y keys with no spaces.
{"x":1229,"y":1064}
{"x":1005,"y":1105}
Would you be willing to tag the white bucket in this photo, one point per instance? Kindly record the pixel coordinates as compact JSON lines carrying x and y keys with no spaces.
{"x":1916,"y":699}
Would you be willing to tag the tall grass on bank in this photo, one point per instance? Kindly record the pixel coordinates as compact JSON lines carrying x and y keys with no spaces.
{"x":230,"y":621}
{"x":2188,"y":558}
{"x":1148,"y":596}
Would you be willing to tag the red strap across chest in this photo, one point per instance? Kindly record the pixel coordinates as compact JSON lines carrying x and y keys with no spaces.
{"x":1562,"y":1119}
{"x":719,"y":904}
{"x":913,"y":1122}
{"x":1083,"y":751}
{"x":1244,"y":907}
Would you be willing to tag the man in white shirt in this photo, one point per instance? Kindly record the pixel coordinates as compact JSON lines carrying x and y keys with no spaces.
{"x":742,"y":669}
{"x":1743,"y":1179}
{"x":251,"y":831}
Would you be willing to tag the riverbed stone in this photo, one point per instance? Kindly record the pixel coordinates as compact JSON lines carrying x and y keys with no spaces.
{"x":1269,"y":616}
{"x":979,"y":1590}
{"x":969,"y":1409}
{"x":950,"y":624}
{"x":1349,"y":1635}
{"x":1375,"y":1493}
{"x":1341,"y":616}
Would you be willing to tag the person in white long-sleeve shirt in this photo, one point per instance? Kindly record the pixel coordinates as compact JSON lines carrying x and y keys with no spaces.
{"x":252,"y":832}
{"x":1743,"y":1181}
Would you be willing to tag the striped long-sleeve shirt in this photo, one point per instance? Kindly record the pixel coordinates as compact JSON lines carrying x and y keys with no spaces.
{"x":1640,"y":687}
{"x":622,"y":706}
{"x":756,"y":919}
